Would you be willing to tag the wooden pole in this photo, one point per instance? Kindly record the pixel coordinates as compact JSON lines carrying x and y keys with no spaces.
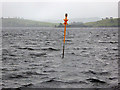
{"x":63,"y":50}
{"x":64,"y":41}
{"x":65,"y":23}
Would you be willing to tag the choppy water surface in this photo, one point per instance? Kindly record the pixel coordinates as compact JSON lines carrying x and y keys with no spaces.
{"x":32,"y":57}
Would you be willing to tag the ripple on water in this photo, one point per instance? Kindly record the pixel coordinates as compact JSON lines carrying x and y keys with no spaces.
{"x":33,"y":57}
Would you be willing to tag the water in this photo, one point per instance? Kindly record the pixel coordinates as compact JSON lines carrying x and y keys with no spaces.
{"x":31,"y":57}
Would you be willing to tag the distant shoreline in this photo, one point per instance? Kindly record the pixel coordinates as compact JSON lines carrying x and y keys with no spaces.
{"x":37,"y":28}
{"x":16,"y":22}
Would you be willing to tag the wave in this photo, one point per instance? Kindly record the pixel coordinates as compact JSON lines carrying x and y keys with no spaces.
{"x":28,"y":73}
{"x":95,"y":80}
{"x":13,"y":76}
{"x":97,"y":73}
{"x":112,"y":42}
{"x":5,"y":52}
{"x":50,"y":49}
{"x":62,"y":81}
{"x":37,"y":54}
{"x":26,"y":48}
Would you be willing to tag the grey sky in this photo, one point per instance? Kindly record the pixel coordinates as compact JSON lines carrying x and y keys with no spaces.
{"x":56,"y":10}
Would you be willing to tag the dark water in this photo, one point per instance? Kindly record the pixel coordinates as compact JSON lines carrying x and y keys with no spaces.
{"x":32,"y":57}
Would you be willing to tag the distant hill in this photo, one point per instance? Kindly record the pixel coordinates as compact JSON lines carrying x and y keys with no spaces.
{"x":107,"y":22}
{"x":104,"y":23}
{"x":17,"y":22}
{"x":70,"y":20}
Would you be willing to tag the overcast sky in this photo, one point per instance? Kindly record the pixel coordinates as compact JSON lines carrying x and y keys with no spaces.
{"x":56,"y":10}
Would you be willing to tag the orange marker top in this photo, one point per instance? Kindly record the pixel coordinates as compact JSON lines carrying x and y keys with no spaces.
{"x":65,"y":23}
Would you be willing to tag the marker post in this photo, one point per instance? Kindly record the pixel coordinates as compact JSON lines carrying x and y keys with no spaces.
{"x":65,"y":23}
